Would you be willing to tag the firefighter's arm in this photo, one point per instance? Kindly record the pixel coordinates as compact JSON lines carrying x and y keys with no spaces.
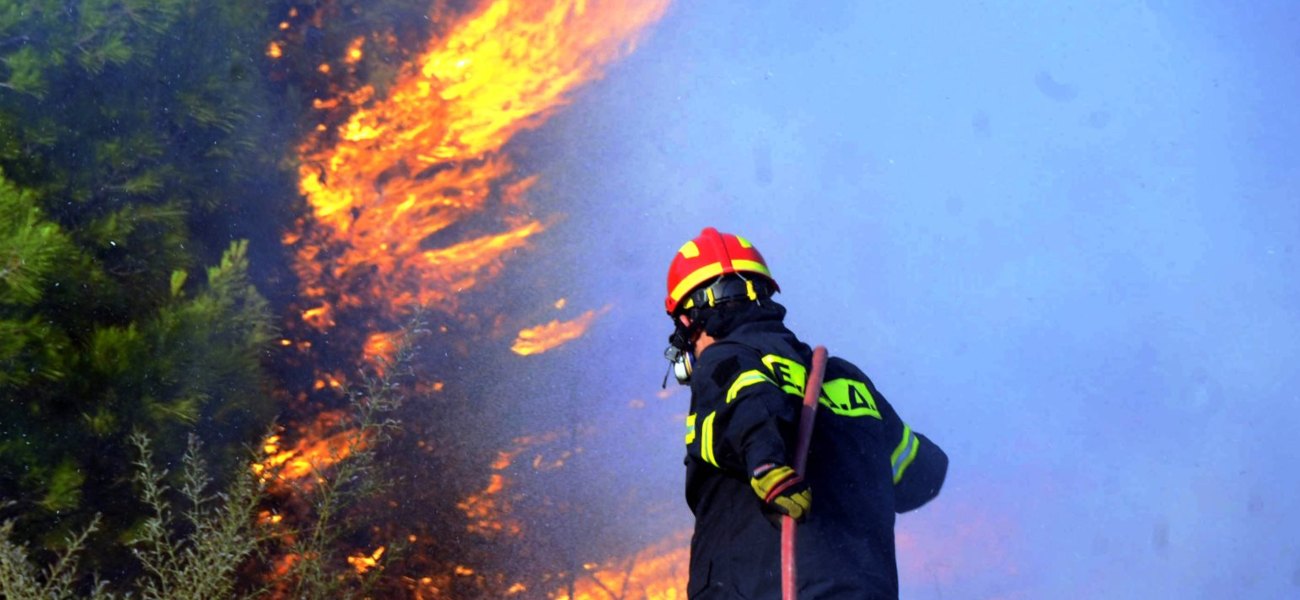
{"x":919,"y":466}
{"x":755,"y":418}
{"x":748,"y":428}
{"x":919,"y":482}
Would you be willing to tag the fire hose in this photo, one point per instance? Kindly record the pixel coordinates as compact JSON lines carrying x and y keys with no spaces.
{"x":812,"y":390}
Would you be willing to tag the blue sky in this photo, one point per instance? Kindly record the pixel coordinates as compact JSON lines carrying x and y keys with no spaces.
{"x":1063,"y":238}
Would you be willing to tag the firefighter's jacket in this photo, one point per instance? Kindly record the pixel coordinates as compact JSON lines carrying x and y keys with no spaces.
{"x":864,"y":464}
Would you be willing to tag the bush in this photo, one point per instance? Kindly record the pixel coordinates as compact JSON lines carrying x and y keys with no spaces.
{"x":196,"y":542}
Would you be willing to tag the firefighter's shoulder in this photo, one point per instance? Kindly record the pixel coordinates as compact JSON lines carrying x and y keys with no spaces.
{"x":723,"y":361}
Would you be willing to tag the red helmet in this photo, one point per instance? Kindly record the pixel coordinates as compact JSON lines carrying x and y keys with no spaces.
{"x":708,"y":256}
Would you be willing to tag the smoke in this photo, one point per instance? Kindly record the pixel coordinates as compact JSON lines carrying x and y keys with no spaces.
{"x":1062,"y":250}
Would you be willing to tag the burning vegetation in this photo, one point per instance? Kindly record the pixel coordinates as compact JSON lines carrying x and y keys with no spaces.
{"x":415,"y":201}
{"x":406,"y":123}
{"x":414,"y":198}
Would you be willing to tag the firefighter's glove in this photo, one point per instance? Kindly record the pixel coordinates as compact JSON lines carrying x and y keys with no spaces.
{"x":782,"y":490}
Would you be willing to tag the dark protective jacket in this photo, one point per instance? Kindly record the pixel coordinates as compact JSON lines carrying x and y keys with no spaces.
{"x":864,"y":465}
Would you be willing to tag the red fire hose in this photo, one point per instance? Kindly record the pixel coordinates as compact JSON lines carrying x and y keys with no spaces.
{"x":812,"y":390}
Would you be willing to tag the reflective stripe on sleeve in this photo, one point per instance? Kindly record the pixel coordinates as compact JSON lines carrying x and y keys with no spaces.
{"x":706,"y":440}
{"x":690,"y":428}
{"x":905,"y":453}
{"x":745,"y":380}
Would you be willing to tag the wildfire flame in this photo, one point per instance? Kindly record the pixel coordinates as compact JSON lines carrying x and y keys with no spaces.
{"x":363,"y":562}
{"x":415,"y":200}
{"x":318,"y":446}
{"x":403,"y":170}
{"x":386,"y":185}
{"x":539,"y":339}
{"x":658,"y":572}
{"x":489,"y":511}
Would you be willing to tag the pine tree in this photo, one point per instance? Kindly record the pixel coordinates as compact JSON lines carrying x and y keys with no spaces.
{"x":68,"y":407}
{"x":31,"y":250}
{"x":138,"y":140}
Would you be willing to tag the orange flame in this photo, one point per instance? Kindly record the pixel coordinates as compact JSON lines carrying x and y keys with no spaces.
{"x":539,"y":339}
{"x":656,"y":573}
{"x":380,"y":348}
{"x":414,"y":197}
{"x":316,"y":449}
{"x":363,"y":562}
{"x":405,"y":169}
{"x":355,"y":51}
{"x":489,"y":511}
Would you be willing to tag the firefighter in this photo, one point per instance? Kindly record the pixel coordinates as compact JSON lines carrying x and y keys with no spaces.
{"x":747,"y":371}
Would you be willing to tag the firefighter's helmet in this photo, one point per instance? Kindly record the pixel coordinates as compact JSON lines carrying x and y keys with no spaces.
{"x":707,"y":258}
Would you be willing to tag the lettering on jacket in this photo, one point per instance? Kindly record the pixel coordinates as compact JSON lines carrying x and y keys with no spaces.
{"x":843,"y":396}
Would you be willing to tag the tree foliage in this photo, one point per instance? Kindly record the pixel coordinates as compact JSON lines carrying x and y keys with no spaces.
{"x":139,"y":139}
{"x":72,"y":397}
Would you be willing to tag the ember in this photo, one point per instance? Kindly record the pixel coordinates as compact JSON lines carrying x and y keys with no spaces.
{"x":489,"y":511}
{"x":363,"y":562}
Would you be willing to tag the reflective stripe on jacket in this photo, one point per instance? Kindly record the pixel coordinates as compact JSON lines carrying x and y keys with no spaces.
{"x":864,"y":465}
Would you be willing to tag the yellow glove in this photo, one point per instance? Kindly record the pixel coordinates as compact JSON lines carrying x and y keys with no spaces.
{"x":782,"y":490}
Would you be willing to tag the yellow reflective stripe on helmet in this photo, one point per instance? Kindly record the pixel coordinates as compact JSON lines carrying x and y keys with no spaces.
{"x":752,"y":266}
{"x":690,"y":428}
{"x":744,"y":243}
{"x":905,"y":453}
{"x":706,"y":440}
{"x":699,"y":276}
{"x":689,"y":250}
{"x":712,"y":270}
{"x":745,"y":380}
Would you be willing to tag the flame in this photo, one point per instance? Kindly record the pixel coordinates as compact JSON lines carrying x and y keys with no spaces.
{"x":657,"y":572}
{"x":414,"y":200}
{"x":380,"y":348}
{"x":980,"y":545}
{"x":363,"y":562}
{"x":318,"y":316}
{"x":319,"y":445}
{"x":355,"y":53}
{"x":539,"y":339}
{"x":403,"y":170}
{"x":489,"y":511}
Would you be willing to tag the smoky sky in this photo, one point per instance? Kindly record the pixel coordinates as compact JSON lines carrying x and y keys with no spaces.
{"x":1061,"y":238}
